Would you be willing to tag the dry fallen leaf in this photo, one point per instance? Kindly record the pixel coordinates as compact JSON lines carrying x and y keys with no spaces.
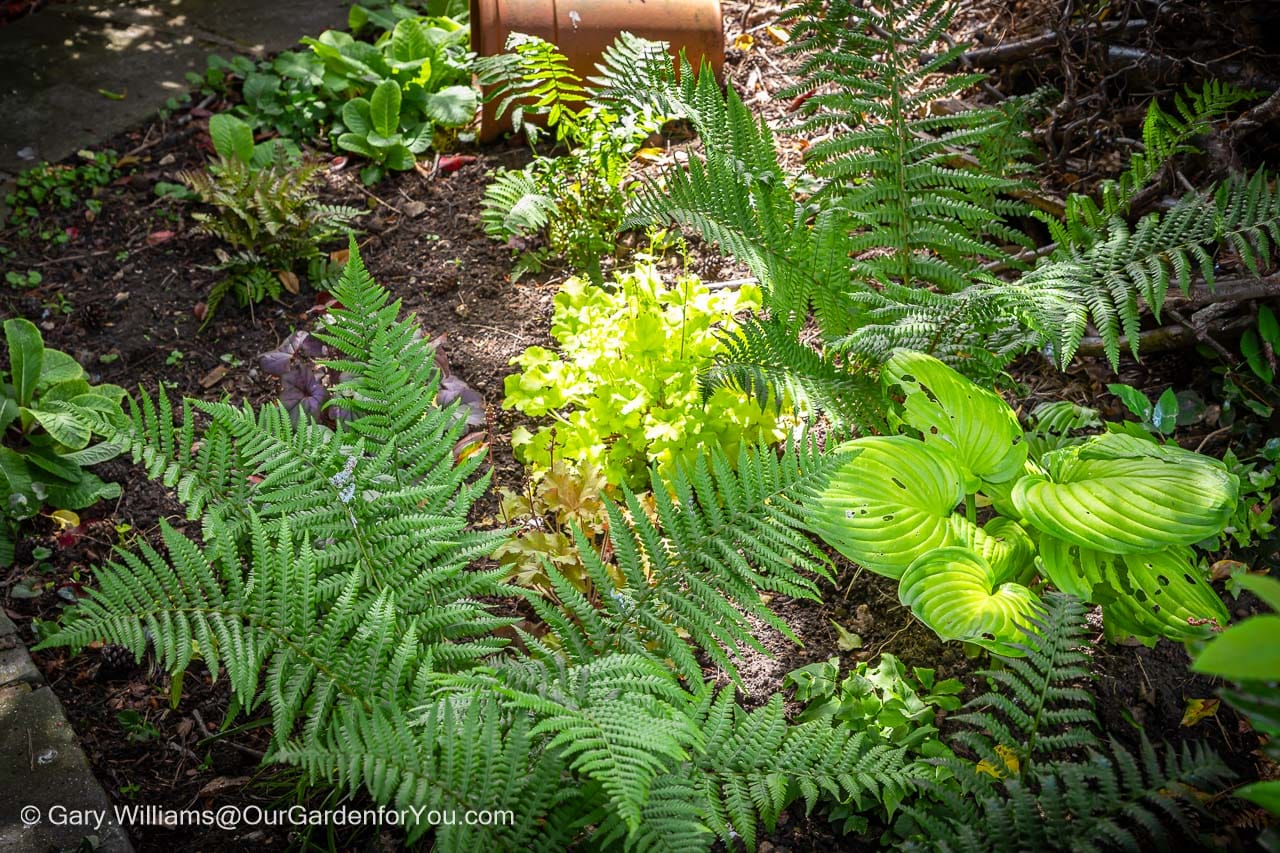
{"x":744,"y":41}
{"x":65,"y":519}
{"x":340,"y":256}
{"x":1199,"y":709}
{"x":778,"y":34}
{"x":213,"y":377}
{"x":223,"y":783}
{"x":1007,"y":756}
{"x":1224,"y":569}
{"x":155,"y":238}
{"x":289,"y":280}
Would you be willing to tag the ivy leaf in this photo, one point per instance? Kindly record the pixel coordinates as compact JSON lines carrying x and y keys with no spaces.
{"x":1164,"y":417}
{"x":1134,"y":400}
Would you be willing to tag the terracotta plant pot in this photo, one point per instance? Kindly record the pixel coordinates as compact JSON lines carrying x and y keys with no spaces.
{"x":582,"y":29}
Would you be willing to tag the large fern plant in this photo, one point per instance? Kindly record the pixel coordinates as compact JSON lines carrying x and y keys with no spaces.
{"x":1041,"y":779}
{"x":899,"y":245}
{"x":334,"y":581}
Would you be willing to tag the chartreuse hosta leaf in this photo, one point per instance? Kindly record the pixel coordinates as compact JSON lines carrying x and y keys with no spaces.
{"x":1125,"y":495}
{"x":1156,"y":594}
{"x":977,"y":429}
{"x":1003,"y":543}
{"x":961,"y":597}
{"x":889,"y":504}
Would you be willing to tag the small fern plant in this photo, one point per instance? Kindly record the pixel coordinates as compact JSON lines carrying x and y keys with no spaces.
{"x":1041,"y":779}
{"x":265,"y":211}
{"x":578,"y":199}
{"x":337,"y":585}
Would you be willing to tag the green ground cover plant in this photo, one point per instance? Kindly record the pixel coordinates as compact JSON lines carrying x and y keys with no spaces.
{"x":53,"y":186}
{"x":47,"y":444}
{"x":623,"y":388}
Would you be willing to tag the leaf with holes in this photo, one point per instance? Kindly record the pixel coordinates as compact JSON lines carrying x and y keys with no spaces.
{"x":957,"y":594}
{"x":889,"y":504}
{"x":975,"y":425}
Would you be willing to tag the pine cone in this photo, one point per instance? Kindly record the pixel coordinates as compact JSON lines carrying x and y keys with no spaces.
{"x":117,"y":661}
{"x":91,"y":315}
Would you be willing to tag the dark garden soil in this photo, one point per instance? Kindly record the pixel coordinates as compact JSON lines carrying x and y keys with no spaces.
{"x":121,"y":296}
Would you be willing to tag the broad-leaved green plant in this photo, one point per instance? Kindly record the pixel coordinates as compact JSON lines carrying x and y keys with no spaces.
{"x":1112,"y":517}
{"x":46,"y":441}
{"x":623,"y":390}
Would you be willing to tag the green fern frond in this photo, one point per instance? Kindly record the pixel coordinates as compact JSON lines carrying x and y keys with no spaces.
{"x":691,"y":580}
{"x":1103,"y":282}
{"x":1051,"y":785}
{"x":767,"y":362}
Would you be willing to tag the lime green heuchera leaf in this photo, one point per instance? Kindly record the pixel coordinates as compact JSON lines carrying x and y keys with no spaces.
{"x":975,"y":425}
{"x":889,"y":504}
{"x":957,"y":594}
{"x":1126,"y":495}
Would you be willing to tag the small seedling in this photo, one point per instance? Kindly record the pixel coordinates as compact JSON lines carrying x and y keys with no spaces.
{"x":23,"y":280}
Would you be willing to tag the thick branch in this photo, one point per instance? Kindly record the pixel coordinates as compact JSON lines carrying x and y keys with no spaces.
{"x":1203,"y":326}
{"x":1016,"y":51}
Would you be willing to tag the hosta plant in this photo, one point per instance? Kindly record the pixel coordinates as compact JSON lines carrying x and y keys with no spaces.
{"x":1110,"y":518}
{"x":623,"y":390}
{"x":46,"y":441}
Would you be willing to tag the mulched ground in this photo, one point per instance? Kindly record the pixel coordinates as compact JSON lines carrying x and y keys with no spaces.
{"x":120,"y":296}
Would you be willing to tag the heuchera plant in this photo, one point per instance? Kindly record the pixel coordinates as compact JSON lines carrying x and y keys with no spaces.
{"x":1110,"y":518}
{"x":303,"y":364}
{"x":623,"y":390}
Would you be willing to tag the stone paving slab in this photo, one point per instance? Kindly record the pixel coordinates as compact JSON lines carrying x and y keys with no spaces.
{"x":49,"y":799}
{"x":56,"y":64}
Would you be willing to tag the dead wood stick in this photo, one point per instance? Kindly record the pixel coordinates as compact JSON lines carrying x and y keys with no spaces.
{"x":1162,"y":339}
{"x":1016,"y":51}
{"x":1159,"y":68}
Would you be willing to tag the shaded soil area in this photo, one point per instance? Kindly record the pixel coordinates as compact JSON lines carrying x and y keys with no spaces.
{"x":120,"y":295}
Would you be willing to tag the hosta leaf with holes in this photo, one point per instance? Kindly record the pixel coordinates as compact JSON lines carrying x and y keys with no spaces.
{"x":977,"y":428}
{"x":1126,"y":495}
{"x":1156,"y":594}
{"x":889,"y":504}
{"x":956,"y":593}
{"x":1002,"y":543}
